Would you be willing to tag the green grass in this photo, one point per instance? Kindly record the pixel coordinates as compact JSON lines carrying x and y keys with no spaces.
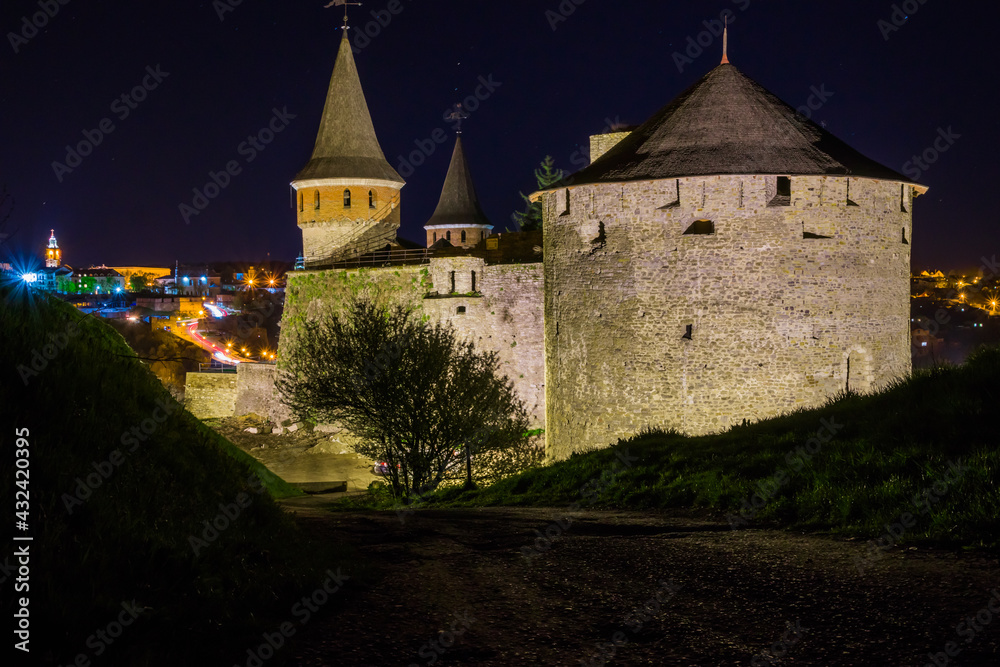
{"x":130,"y":538}
{"x":891,"y":447}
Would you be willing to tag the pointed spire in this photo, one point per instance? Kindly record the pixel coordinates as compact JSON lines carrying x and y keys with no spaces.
{"x":459,"y":204}
{"x":725,"y":43}
{"x":346,"y":144}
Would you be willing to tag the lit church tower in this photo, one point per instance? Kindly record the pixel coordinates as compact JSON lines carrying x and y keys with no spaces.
{"x":347,"y":196}
{"x":53,"y":255}
{"x":458,"y":218}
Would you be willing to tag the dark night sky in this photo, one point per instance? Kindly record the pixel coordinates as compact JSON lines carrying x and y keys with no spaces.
{"x":606,"y":60}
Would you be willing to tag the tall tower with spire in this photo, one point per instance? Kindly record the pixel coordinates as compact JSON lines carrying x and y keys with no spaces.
{"x":347,"y":196}
{"x":53,"y":255}
{"x":458,"y":218}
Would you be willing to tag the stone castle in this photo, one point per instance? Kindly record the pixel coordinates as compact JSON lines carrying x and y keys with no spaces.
{"x":727,"y":260}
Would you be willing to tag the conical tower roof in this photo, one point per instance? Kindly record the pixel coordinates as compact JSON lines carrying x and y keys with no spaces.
{"x":346,"y":145}
{"x":459,"y":204}
{"x":728,"y":124}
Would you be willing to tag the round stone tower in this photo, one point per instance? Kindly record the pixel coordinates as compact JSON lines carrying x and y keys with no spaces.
{"x":347,"y":197}
{"x":728,"y":260}
{"x":458,"y":219}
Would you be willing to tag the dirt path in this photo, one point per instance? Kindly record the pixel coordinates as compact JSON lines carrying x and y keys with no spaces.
{"x":729,"y":597}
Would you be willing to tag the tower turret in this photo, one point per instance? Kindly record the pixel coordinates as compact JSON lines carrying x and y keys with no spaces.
{"x":347,"y":196}
{"x":53,"y":255}
{"x":728,"y":260}
{"x":458,"y":218}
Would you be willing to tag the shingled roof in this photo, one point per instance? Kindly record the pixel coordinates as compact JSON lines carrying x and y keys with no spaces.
{"x":728,"y":124}
{"x":459,"y":204}
{"x":346,"y":145}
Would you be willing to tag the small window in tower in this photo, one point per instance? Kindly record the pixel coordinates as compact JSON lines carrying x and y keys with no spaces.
{"x":565,"y":204}
{"x":700,"y":228}
{"x":463,"y":236}
{"x":473,"y":281}
{"x":447,"y":235}
{"x":435,"y":237}
{"x":902,"y":199}
{"x":302,"y":201}
{"x":452,"y":282}
{"x":460,"y":310}
{"x":905,"y":242}
{"x":347,"y":198}
{"x":688,"y":332}
{"x":317,"y":200}
{"x":782,"y":192}
{"x":371,"y":199}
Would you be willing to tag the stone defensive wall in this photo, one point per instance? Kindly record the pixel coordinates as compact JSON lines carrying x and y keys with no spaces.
{"x":257,"y":394}
{"x":697,"y":303}
{"x":210,"y":395}
{"x":250,"y":390}
{"x":499,"y":306}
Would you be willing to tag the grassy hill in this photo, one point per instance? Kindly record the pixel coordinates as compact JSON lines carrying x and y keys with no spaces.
{"x":122,"y":481}
{"x":928,"y":446}
{"x":180,"y":356}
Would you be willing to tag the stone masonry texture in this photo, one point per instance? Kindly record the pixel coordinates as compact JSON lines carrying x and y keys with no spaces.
{"x":210,"y":395}
{"x":778,"y":319}
{"x":502,"y":311}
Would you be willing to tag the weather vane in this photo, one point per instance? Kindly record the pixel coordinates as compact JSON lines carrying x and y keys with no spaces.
{"x":457,"y":115}
{"x":345,"y":3}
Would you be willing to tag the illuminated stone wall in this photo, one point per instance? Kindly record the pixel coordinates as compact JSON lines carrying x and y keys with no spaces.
{"x":256,"y":393}
{"x":210,"y":395}
{"x":778,"y":321}
{"x":502,"y":311}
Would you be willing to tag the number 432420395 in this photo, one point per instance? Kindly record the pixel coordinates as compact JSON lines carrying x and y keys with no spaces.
{"x":21,"y":475}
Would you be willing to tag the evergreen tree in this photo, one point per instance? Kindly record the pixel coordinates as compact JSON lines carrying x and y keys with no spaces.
{"x":546,"y":177}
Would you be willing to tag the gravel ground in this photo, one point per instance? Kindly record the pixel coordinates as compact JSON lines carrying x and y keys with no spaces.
{"x":635,"y":588}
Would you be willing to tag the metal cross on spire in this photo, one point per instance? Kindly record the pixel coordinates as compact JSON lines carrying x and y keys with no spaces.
{"x":457,"y":115}
{"x":345,"y":3}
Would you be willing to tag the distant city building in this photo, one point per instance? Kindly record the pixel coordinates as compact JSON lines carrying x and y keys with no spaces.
{"x":98,"y":280}
{"x":57,"y":279}
{"x":191,"y":280}
{"x":53,"y":255}
{"x":140,"y":274}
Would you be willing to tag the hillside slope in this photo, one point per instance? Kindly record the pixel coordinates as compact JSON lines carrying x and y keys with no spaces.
{"x":123,"y":486}
{"x":928,"y":447}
